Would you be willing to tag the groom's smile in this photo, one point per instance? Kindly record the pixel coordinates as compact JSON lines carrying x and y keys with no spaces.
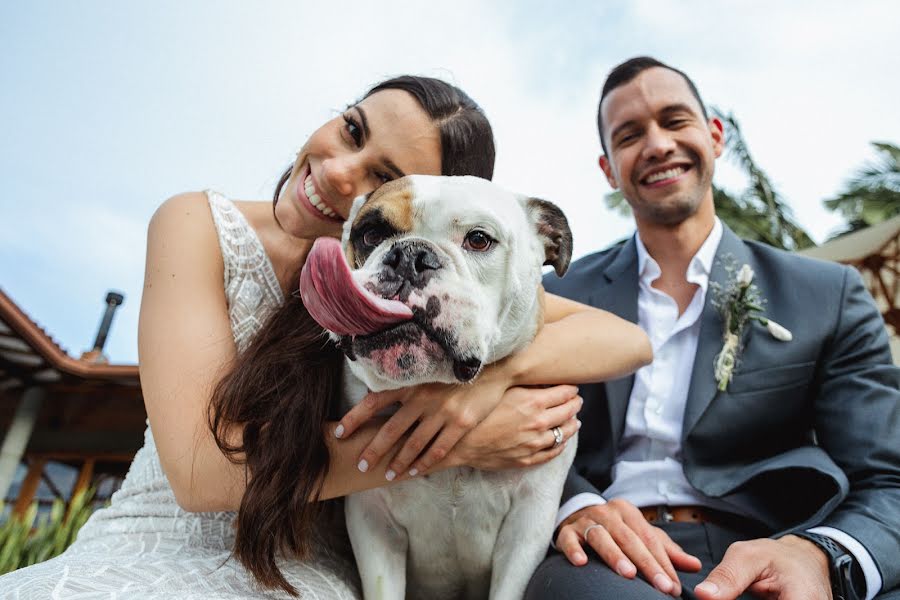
{"x":665,"y":175}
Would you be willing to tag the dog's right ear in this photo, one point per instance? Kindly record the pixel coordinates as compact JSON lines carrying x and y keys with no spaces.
{"x":553,"y":228}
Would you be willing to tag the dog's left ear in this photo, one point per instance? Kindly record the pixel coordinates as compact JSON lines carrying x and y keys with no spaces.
{"x":553,"y":229}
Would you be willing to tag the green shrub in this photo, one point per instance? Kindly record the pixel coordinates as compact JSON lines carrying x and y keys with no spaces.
{"x":22,"y":543}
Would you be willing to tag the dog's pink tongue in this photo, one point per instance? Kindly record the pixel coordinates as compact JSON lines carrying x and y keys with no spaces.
{"x":336,"y":301}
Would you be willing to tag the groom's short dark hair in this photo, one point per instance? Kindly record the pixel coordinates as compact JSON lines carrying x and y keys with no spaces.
{"x":627,"y":71}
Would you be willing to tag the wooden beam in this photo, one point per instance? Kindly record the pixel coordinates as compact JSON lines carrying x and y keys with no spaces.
{"x":85,"y":443}
{"x":122,"y":457}
{"x":84,"y":477}
{"x":884,"y":290}
{"x":29,"y":487}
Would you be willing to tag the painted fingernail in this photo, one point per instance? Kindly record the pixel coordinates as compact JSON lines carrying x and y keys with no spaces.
{"x":625,"y":568}
{"x":707,"y":587}
{"x":662,"y":583}
{"x":338,"y":431}
{"x":390,"y":474}
{"x":363,"y":465}
{"x":413,"y":472}
{"x":578,"y":425}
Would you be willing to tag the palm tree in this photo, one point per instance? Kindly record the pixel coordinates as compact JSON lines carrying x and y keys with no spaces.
{"x":744,"y":218}
{"x":760,"y":201}
{"x":872,"y":195}
{"x":759,"y":213}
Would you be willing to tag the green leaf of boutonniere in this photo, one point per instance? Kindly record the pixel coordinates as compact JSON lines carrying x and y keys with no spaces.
{"x":739,"y":302}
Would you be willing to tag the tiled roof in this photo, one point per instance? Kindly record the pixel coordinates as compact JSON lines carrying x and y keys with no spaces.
{"x":29,"y":356}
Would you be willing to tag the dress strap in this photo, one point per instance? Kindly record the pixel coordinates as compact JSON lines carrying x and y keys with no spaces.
{"x":242,"y":251}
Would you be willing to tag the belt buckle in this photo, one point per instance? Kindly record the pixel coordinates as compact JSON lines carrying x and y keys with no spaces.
{"x":664,"y":514}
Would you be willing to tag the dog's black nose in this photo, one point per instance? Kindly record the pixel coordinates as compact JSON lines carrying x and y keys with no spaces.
{"x":412,"y":261}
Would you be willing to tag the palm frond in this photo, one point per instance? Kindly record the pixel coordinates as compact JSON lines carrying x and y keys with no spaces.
{"x":616,"y":202}
{"x":872,"y":194}
{"x":761,"y":197}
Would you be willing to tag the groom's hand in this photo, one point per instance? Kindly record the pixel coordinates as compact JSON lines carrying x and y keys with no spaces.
{"x":789,"y":568}
{"x":627,"y":543}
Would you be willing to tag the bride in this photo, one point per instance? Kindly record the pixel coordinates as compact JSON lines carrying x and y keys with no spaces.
{"x":219,"y":503}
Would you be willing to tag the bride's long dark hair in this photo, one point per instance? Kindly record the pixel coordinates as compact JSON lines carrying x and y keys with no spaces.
{"x":281,"y":390}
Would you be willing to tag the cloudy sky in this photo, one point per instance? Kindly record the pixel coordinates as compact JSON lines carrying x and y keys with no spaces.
{"x":107,"y":108}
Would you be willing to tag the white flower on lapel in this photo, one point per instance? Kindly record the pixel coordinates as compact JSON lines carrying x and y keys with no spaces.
{"x":778,"y":332}
{"x":745,"y":276}
{"x":739,"y":302}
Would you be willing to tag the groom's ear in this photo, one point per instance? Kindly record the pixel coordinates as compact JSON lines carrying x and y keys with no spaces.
{"x":717,"y":132}
{"x":553,"y":229}
{"x":606,"y":167}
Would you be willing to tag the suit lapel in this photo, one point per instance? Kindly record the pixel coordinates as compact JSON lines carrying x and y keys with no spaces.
{"x":619,"y":295}
{"x":703,"y":388}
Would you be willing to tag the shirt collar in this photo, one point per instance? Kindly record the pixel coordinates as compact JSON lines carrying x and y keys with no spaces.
{"x":699,"y":267}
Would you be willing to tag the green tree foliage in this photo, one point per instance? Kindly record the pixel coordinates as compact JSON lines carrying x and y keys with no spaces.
{"x":872,"y":194}
{"x":760,"y":202}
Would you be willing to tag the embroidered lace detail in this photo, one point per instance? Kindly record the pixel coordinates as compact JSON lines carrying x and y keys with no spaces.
{"x":251,"y":287}
{"x":143,"y":545}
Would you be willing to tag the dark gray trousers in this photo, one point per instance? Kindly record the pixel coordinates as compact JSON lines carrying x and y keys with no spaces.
{"x":557,"y":579}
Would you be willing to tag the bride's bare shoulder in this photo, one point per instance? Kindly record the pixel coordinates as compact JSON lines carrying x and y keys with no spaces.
{"x":190,"y":209}
{"x":182,"y":231}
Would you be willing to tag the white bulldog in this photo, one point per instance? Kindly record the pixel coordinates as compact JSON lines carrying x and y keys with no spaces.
{"x":445,"y":278}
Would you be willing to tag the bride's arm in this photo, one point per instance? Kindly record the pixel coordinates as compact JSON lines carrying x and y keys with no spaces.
{"x":580,"y":344}
{"x":577,"y":344}
{"x":185,"y":344}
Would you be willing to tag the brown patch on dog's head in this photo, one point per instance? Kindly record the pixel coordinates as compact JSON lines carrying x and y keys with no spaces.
{"x":388,"y":209}
{"x":394,"y":199}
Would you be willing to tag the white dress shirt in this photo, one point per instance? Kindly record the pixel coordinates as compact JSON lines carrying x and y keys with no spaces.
{"x":648,"y":470}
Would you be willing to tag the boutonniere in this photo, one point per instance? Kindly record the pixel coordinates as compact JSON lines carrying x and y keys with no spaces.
{"x":739,"y":302}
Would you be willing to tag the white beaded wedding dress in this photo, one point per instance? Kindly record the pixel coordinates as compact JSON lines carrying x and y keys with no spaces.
{"x":143,"y":545}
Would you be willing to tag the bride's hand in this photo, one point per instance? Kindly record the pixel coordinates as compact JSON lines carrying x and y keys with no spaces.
{"x":519,"y":432}
{"x":444,"y":412}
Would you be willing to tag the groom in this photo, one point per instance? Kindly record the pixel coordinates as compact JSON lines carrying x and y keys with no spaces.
{"x":786,"y":484}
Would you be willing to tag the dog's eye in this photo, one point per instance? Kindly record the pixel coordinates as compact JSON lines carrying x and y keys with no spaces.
{"x":478,"y":241}
{"x":373,"y":236}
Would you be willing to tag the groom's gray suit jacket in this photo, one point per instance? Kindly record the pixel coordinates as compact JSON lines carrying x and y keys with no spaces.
{"x":808,"y":431}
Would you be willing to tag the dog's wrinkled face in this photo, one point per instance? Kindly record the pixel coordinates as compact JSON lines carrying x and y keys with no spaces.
{"x":444,"y":274}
